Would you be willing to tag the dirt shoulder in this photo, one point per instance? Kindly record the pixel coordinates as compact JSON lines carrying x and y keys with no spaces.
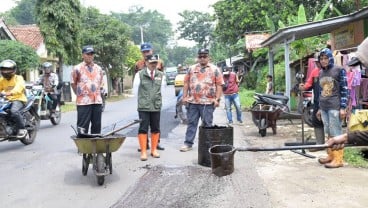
{"x":294,"y":180}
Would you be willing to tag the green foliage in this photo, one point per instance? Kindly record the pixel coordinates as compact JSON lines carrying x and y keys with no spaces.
{"x":24,"y":12}
{"x":59,"y":23}
{"x":180,"y":55}
{"x":196,"y":26}
{"x":109,"y":37}
{"x":355,"y":157}
{"x":156,"y":29}
{"x":25,"y":57}
{"x":133,"y":55}
{"x":246,"y":98}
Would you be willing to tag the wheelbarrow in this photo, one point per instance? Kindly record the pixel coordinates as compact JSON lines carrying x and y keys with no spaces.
{"x":265,"y":116}
{"x":96,"y":149}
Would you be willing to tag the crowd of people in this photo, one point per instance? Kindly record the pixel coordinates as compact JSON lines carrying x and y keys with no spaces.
{"x":204,"y":86}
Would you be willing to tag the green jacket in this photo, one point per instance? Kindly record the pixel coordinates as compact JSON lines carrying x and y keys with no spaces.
{"x":149,"y":91}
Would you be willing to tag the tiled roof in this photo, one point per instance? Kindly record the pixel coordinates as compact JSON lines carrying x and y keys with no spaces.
{"x":28,"y":34}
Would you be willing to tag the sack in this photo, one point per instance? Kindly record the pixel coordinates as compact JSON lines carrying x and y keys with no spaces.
{"x":358,"y":121}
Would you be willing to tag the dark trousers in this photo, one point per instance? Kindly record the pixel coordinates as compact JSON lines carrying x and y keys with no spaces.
{"x":89,"y":114}
{"x":52,"y":105}
{"x":15,"y":113}
{"x":149,"y":119}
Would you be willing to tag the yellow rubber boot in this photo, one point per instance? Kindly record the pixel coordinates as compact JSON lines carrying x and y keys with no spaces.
{"x":338,"y":159}
{"x":154,"y":141}
{"x":142,"y":138}
{"x":327,"y":159}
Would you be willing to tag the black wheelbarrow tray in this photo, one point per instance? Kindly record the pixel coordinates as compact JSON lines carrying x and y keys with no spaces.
{"x":265,"y":116}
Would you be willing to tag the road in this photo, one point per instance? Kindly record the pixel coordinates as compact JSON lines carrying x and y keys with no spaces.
{"x":47,"y":173}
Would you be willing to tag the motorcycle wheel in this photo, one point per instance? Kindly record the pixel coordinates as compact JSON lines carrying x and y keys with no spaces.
{"x":100,"y":168}
{"x":307,"y":115}
{"x":56,"y":120}
{"x":32,"y":132}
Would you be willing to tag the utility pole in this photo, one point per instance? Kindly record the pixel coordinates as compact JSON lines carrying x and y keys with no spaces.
{"x":141,"y":34}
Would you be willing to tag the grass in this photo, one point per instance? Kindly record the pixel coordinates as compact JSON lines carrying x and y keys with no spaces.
{"x":355,"y":157}
{"x":246,"y":98}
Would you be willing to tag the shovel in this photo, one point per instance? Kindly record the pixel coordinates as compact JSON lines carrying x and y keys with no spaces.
{"x":83,"y":135}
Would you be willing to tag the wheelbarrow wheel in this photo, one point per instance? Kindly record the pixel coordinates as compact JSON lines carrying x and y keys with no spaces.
{"x":85,"y":164}
{"x":100,"y":166}
{"x":100,"y":180}
{"x":263,"y":132}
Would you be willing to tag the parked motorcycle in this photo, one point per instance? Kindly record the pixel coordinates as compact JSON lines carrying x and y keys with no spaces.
{"x":104,"y":96}
{"x":275,"y":100}
{"x":7,"y":124}
{"x":43,"y":104}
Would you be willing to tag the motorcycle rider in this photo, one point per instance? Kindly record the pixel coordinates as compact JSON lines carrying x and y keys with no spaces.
{"x":50,"y":80}
{"x":13,"y":87}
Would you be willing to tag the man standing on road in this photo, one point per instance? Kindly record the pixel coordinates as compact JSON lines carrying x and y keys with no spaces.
{"x":86,"y":82}
{"x":269,"y":86}
{"x":147,"y":51}
{"x":313,"y":83}
{"x":332,"y":104}
{"x":202,"y":91}
{"x":149,"y":83}
{"x":231,"y":95}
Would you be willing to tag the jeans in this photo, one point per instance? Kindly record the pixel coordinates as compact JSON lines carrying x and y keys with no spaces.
{"x":331,"y":122}
{"x":196,"y":111}
{"x":15,"y":113}
{"x":233,"y":99}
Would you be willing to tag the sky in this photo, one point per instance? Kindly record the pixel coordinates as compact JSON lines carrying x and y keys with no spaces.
{"x":166,"y":7}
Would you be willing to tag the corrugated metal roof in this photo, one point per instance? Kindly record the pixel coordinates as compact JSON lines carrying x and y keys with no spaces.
{"x":314,"y":28}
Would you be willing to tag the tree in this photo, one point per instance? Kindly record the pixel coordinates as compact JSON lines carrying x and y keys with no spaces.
{"x":59,"y":23}
{"x":155,"y":28}
{"x":24,"y":12}
{"x":109,"y":37}
{"x":196,"y":26}
{"x":25,"y":57}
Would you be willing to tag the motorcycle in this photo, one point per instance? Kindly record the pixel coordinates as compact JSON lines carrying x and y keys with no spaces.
{"x":305,"y":106}
{"x":279,"y":101}
{"x":43,"y":105}
{"x":104,"y":96}
{"x":7,"y":124}
{"x":181,"y":108}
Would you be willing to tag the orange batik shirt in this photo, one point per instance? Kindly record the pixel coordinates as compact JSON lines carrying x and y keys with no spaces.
{"x":88,"y":84}
{"x":202,"y":83}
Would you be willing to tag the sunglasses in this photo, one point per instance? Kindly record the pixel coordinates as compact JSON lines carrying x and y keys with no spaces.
{"x":202,"y":57}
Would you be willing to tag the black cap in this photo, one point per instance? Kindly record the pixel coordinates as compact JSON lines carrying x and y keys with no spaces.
{"x":151,"y":58}
{"x":146,"y":47}
{"x":354,"y":61}
{"x":88,"y":49}
{"x":203,"y":51}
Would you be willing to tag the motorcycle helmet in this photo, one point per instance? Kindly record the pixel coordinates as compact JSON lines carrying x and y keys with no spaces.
{"x":8,"y":68}
{"x":46,"y":67}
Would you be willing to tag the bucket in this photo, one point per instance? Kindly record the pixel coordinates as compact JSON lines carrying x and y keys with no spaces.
{"x":222,"y":159}
{"x":209,"y":136}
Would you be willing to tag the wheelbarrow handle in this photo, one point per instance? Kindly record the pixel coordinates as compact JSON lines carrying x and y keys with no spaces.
{"x":256,"y":149}
{"x":121,"y":128}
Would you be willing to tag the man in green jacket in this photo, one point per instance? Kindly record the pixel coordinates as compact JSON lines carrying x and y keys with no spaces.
{"x":149,"y":105}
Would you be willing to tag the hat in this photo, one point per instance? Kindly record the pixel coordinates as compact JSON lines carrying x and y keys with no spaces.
{"x":203,"y":51}
{"x":152,"y":59}
{"x":354,"y":61}
{"x":88,"y":49}
{"x":146,"y":47}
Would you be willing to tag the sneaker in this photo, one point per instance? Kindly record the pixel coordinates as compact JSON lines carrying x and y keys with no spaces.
{"x":240,"y":123}
{"x":185,"y":148}
{"x":22,"y":133}
{"x":230,"y":123}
